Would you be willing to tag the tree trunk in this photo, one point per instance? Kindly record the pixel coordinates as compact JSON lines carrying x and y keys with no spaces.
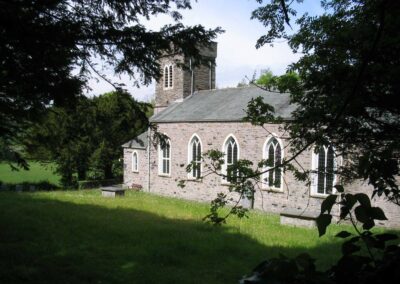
{"x":108,"y":172}
{"x":81,"y":174}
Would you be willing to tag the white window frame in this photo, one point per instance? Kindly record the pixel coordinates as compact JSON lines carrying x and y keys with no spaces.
{"x":224,"y":167}
{"x":135,"y":169}
{"x":161,"y":158}
{"x":168,"y":82}
{"x":190,"y":156}
{"x":265,"y":185}
{"x":314,"y":174}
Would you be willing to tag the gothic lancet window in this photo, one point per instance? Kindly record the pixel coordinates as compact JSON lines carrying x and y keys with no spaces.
{"x":164,"y":158}
{"x":273,"y":156}
{"x":168,"y":76}
{"x":324,"y":170}
{"x":135,"y":162}
{"x":231,"y":150}
{"x":195,"y":157}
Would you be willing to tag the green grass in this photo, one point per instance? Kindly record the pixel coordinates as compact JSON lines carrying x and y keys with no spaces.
{"x":81,"y":237}
{"x":36,"y":173}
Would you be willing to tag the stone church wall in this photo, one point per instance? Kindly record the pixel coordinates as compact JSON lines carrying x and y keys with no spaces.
{"x":295,"y":195}
{"x":135,"y":178}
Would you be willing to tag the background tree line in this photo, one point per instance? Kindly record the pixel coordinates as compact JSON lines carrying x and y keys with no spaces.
{"x":48,"y":51}
{"x":85,"y":140}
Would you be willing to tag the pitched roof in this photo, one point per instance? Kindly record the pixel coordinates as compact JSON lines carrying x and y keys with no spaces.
{"x":223,"y":105}
{"x":139,"y":142}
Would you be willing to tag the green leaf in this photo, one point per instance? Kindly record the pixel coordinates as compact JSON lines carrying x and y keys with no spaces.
{"x":363,"y":199}
{"x":377,"y":214}
{"x":344,"y":211}
{"x":328,"y":203}
{"x":339,"y":188}
{"x":343,"y":234}
{"x":323,"y":221}
{"x":350,"y":200}
{"x":369,"y":224}
{"x":361,"y":214}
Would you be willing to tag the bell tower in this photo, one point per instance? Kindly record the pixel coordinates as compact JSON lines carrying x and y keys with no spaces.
{"x":177,"y":83}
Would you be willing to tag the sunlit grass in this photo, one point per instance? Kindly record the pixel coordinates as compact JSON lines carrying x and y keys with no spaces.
{"x":80,"y":237}
{"x":37,"y":173}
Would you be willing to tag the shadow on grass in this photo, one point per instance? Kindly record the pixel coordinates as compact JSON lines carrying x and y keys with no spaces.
{"x":50,"y":241}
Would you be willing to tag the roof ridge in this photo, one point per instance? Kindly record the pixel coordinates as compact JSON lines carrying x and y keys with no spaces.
{"x":222,"y":89}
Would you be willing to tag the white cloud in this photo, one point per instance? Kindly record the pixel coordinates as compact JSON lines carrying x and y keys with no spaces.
{"x":237,"y":55}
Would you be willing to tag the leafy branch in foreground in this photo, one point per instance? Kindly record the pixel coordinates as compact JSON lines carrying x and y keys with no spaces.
{"x":50,"y":50}
{"x":367,"y":257}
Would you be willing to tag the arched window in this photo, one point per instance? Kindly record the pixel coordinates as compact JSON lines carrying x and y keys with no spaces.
{"x":168,"y":76}
{"x":164,"y":158}
{"x":273,"y":154}
{"x":231,"y":150}
{"x":166,"y":71}
{"x":195,"y":157}
{"x":324,"y":165}
{"x":135,"y":162}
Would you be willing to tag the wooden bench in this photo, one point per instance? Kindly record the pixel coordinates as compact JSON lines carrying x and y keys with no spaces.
{"x":112,"y":191}
{"x":298,"y":218}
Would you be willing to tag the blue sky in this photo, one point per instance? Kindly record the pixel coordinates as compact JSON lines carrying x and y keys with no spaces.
{"x":237,"y":55}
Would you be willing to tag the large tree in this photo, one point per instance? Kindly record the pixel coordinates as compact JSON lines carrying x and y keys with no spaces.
{"x":347,"y":92}
{"x":85,"y":141}
{"x":48,"y":50}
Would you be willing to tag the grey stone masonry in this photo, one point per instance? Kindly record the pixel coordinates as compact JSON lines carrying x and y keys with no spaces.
{"x":184,"y":80}
{"x":293,"y":195}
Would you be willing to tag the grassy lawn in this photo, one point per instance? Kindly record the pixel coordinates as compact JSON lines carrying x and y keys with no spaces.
{"x":36,"y":173}
{"x":81,"y":237}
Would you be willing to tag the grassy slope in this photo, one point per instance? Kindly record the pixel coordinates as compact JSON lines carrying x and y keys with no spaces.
{"x":80,"y":237}
{"x":36,"y":173}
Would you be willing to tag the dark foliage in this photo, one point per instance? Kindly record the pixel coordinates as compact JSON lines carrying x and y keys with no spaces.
{"x":366,"y":257}
{"x":48,"y":51}
{"x":85,"y":142}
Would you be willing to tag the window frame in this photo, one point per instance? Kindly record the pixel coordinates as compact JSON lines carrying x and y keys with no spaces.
{"x":168,"y":82}
{"x":267,"y":142}
{"x":161,"y":159}
{"x":190,"y":156}
{"x":135,"y":169}
{"x":224,"y":168}
{"x":314,"y":175}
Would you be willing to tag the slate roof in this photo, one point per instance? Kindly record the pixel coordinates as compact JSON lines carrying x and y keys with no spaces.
{"x":222,"y":105}
{"x":139,"y":142}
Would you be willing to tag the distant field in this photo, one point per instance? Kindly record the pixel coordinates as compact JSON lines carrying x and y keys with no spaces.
{"x":36,"y":173}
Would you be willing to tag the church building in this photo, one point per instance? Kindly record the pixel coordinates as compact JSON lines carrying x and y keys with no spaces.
{"x":197,"y":117}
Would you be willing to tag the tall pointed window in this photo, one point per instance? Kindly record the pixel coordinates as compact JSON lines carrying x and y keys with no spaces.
{"x":273,"y":156}
{"x":168,"y":76}
{"x":166,"y":72}
{"x":195,"y":157}
{"x":231,"y":150}
{"x":164,"y":158}
{"x":135,"y":162}
{"x":324,"y":170}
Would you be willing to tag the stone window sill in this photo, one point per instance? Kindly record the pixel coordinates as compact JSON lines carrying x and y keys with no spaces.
{"x":164,"y":175}
{"x":194,"y":179}
{"x":275,"y":190}
{"x":319,"y":195}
